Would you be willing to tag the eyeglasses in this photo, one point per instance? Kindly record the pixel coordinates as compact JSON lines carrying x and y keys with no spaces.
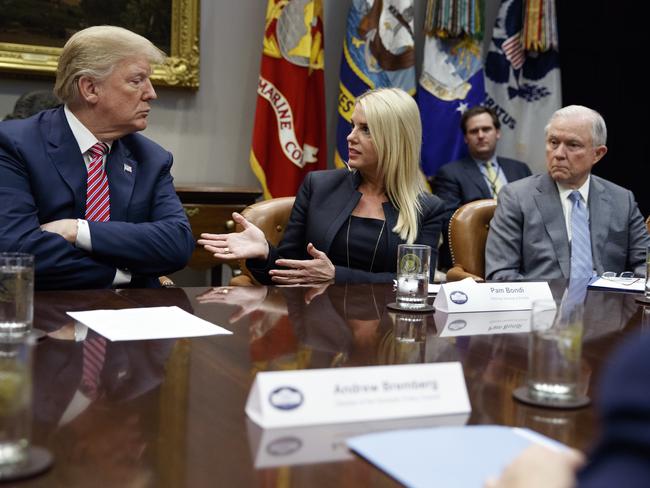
{"x":626,"y":278}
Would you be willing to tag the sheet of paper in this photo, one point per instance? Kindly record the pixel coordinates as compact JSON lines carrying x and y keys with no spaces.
{"x":623,"y":284}
{"x":446,"y":456}
{"x":132,"y":324}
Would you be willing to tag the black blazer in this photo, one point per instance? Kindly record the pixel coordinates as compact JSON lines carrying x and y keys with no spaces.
{"x":324,"y":202}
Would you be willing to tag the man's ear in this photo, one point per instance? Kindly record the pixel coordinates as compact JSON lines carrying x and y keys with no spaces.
{"x":88,"y":89}
{"x":599,"y":153}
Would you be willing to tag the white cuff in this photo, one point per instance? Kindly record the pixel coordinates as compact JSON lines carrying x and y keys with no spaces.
{"x":122,"y":277}
{"x":83,"y":236}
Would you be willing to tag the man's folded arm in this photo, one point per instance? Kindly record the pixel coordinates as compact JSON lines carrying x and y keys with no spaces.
{"x":58,"y":263}
{"x":160,"y":246}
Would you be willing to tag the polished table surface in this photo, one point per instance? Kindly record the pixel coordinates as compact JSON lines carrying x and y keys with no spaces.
{"x":170,"y":413}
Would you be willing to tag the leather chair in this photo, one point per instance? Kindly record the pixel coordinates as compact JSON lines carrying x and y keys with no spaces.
{"x":468,"y":229}
{"x":271,"y":216}
{"x":647,"y":224}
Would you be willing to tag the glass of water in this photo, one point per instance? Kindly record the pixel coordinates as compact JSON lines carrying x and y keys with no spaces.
{"x":15,"y":403}
{"x":412,"y":275}
{"x":16,"y":293}
{"x":555,"y":351}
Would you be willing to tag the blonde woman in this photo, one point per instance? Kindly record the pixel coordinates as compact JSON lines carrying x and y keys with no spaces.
{"x":346,"y":224}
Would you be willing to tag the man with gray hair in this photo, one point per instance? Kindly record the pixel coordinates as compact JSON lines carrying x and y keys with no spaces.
{"x":567,"y":223}
{"x":79,"y":189}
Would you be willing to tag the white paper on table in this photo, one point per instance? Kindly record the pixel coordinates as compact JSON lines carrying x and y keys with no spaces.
{"x":130,"y":324}
{"x":623,"y":284}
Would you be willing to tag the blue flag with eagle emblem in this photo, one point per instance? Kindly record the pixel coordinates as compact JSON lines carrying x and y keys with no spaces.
{"x":523,"y":82}
{"x":451,"y":82}
{"x":378,"y":51}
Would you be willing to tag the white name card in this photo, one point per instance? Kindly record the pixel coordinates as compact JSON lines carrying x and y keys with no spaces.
{"x":469,"y":296}
{"x":482,"y":323}
{"x":334,"y":396}
{"x":291,"y":446}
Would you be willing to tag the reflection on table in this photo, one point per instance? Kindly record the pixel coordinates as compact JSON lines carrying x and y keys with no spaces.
{"x":171,"y":412}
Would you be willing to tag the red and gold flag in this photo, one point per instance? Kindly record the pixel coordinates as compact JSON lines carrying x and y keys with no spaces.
{"x":289,"y":131}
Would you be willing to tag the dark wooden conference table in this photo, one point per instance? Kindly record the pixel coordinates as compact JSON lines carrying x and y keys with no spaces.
{"x":170,"y":413}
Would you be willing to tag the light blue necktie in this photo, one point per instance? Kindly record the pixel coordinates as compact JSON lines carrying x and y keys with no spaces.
{"x":581,"y":260}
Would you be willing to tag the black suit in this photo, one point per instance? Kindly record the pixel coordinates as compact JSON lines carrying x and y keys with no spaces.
{"x":461,"y":182}
{"x":622,"y":456}
{"x":324,"y":202}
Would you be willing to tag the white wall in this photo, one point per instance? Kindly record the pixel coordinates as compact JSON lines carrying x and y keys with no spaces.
{"x":209,"y":130}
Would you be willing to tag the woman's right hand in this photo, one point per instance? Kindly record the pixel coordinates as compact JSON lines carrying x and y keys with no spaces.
{"x":250,"y":243}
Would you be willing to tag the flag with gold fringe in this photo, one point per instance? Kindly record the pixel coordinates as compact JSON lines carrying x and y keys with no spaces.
{"x":452,"y":78}
{"x":378,"y":51}
{"x":289,"y":137}
{"x":522,"y":77}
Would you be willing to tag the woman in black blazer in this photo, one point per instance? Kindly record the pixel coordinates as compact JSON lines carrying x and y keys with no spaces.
{"x":346,"y":224}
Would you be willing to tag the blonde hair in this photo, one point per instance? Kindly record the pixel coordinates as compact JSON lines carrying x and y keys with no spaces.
{"x":394,"y":122}
{"x":94,"y":52}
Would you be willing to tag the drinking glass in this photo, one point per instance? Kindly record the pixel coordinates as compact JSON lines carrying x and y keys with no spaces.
{"x":412,"y":275}
{"x":554,"y":351}
{"x":16,"y":293}
{"x":15,"y":403}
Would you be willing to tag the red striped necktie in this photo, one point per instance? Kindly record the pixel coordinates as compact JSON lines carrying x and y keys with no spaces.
{"x":98,"y":207}
{"x":94,"y":353}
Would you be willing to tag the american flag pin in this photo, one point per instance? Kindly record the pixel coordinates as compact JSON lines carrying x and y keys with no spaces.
{"x":128,"y":168}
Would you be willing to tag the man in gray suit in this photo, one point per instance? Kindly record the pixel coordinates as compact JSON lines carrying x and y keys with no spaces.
{"x":531,"y":233}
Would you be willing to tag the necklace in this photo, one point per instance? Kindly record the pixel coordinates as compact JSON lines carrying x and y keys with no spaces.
{"x":347,"y":243}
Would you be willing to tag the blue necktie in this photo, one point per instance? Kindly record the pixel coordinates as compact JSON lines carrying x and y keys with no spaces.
{"x":581,"y":260}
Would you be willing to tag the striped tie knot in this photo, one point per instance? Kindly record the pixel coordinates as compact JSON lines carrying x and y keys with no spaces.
{"x":98,"y":150}
{"x":575,"y":197}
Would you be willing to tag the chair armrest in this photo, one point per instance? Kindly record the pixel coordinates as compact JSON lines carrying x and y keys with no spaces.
{"x":457,"y":273}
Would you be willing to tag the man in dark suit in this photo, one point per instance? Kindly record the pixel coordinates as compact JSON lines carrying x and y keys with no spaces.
{"x":480,"y":175}
{"x":568,"y":221}
{"x":92,"y":200}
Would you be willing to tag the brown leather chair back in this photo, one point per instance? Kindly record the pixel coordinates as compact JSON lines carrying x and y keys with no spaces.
{"x":271,"y":216}
{"x":647,"y":224}
{"x":468,"y":230}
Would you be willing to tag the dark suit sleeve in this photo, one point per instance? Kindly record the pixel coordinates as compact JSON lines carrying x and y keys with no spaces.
{"x":447,"y":187}
{"x":293,"y":245}
{"x":638,"y":240}
{"x":504,"y":241}
{"x":161,"y":245}
{"x":59,"y":264}
{"x":622,"y":455}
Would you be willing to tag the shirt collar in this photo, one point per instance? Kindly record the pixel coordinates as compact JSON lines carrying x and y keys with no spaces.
{"x":484,"y":163}
{"x":85,"y":139}
{"x":565,"y":191}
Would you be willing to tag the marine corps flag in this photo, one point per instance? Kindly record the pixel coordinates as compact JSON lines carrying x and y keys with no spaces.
{"x":289,"y":131}
{"x":378,"y":51}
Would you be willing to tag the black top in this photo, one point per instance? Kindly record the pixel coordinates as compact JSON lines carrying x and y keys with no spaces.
{"x":362,"y":231}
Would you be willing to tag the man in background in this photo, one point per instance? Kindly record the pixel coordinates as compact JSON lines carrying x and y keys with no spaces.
{"x":567,"y":223}
{"x":93,"y":201}
{"x":480,"y":175}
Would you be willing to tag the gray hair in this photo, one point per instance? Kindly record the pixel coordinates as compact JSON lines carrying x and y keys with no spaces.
{"x":598,"y":127}
{"x":95,"y":52}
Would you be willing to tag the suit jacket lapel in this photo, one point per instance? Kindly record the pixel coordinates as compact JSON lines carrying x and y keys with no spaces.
{"x":349,"y":197}
{"x":476,"y":177}
{"x":66,"y":157}
{"x":599,"y":215}
{"x":548,"y":202}
{"x":120,"y":179}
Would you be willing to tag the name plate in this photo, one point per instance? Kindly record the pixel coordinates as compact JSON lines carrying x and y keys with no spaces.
{"x":469,"y":296}
{"x":334,"y":396}
{"x":482,"y":323}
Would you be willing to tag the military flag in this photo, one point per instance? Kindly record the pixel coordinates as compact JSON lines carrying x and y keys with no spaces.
{"x":522,"y":77}
{"x":289,"y":132}
{"x":378,"y":51}
{"x":451,"y":80}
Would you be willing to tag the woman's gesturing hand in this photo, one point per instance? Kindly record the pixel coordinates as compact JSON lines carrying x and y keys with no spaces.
{"x":247,"y":244}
